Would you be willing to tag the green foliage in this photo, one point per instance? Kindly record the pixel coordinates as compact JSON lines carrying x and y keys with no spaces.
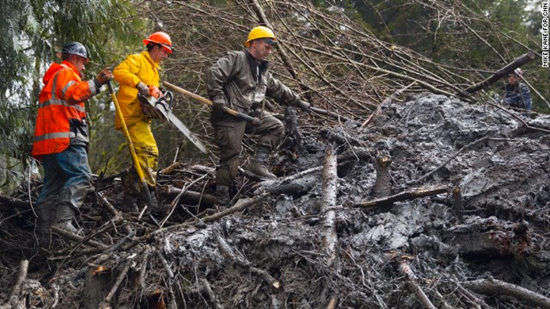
{"x":33,"y":32}
{"x":467,"y":34}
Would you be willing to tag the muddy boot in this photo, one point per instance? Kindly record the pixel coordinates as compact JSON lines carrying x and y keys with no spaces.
{"x":65,"y":217}
{"x":223,"y":195}
{"x":258,"y":165}
{"x":46,"y":216}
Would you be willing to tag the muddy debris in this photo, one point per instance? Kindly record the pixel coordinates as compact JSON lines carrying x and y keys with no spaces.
{"x":307,"y":239}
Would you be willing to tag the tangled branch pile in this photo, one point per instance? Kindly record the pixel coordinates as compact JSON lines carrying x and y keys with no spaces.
{"x":352,"y":231}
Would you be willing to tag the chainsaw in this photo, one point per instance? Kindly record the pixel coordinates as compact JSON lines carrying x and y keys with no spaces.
{"x":161,"y":108}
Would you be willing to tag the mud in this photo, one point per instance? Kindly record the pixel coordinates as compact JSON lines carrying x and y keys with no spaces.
{"x":498,"y":227}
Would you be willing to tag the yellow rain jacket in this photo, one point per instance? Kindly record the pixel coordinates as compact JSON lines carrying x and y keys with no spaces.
{"x":134,"y":69}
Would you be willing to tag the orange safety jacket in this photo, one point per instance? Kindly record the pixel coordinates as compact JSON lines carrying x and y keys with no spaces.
{"x":61,"y":109}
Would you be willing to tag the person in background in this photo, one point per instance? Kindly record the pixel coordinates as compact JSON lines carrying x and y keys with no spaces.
{"x":517,"y":94}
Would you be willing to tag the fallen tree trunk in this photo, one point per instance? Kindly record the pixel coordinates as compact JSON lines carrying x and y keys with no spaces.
{"x":492,"y":238}
{"x":382,"y":185}
{"x":403,"y":196}
{"x":507,"y":69}
{"x":497,"y":287}
{"x":330,"y":183}
{"x":14,"y":301}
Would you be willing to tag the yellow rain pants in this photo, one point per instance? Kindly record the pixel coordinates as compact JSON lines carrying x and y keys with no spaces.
{"x":146,"y":149}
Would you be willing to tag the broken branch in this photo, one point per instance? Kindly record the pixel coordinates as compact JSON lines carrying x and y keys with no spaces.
{"x":496,"y":287}
{"x":403,"y":196}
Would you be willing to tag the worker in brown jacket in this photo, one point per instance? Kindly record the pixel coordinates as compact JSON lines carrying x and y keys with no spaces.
{"x":241,"y":80}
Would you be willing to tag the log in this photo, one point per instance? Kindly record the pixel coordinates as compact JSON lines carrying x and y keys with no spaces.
{"x":382,"y":185}
{"x":330,"y":184}
{"x":21,"y":276}
{"x":504,"y":71}
{"x":403,"y":196}
{"x":476,"y":301}
{"x":411,"y":277}
{"x":458,"y":202}
{"x":496,"y":287}
{"x":492,"y":238}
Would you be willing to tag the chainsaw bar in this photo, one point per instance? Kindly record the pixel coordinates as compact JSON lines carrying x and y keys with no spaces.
{"x":163,"y":106}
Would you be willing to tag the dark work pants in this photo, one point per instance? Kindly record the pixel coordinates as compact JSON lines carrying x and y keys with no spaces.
{"x":229,"y":132}
{"x":66,"y":181}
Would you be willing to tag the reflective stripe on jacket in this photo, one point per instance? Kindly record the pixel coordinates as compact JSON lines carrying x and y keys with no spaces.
{"x":61,"y":111}
{"x":134,"y":69}
{"x":239,"y":81}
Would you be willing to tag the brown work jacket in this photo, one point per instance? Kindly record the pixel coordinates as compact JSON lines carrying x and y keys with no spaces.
{"x":239,"y":81}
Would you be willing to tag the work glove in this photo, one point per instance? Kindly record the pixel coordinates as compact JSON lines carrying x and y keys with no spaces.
{"x":217,"y":107}
{"x":305,"y":106}
{"x":143,"y":89}
{"x":103,"y":77}
{"x":154,"y":91}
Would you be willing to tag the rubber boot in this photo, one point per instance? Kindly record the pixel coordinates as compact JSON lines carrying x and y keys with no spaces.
{"x":223,"y":195}
{"x":46,"y":217}
{"x":258,"y":166}
{"x":154,"y":206}
{"x":65,"y":217}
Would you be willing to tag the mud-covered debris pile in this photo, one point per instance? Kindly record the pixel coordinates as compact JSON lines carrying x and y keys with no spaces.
{"x":458,"y":248}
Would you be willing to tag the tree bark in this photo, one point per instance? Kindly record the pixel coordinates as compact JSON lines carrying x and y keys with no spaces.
{"x":330,"y":185}
{"x":497,"y":287}
{"x":521,"y":60}
{"x":403,"y":196}
{"x":407,"y":271}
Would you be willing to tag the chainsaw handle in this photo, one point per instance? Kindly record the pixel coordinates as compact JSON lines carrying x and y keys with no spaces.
{"x":169,"y":98}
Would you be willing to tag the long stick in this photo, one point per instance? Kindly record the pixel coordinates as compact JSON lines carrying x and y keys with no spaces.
{"x":130,"y":145}
{"x":536,"y":91}
{"x":205,"y":101}
{"x":407,"y":271}
{"x":237,"y":114}
{"x":403,"y":196}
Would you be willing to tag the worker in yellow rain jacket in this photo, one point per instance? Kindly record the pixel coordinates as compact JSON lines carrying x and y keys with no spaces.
{"x":139,"y":73}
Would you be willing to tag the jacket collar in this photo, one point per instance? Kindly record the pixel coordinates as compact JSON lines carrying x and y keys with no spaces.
{"x":148,"y":57}
{"x":262,"y":64}
{"x":71,"y":66}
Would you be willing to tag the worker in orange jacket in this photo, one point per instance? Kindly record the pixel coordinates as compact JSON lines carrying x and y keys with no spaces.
{"x":61,"y":138}
{"x":139,"y":73}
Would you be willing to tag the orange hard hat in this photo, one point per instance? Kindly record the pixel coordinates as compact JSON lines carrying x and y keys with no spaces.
{"x":161,"y":38}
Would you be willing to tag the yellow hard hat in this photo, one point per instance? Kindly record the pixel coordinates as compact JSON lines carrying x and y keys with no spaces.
{"x":259,"y":32}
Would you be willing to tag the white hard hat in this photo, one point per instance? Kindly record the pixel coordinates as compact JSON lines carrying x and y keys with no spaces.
{"x":518,"y":72}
